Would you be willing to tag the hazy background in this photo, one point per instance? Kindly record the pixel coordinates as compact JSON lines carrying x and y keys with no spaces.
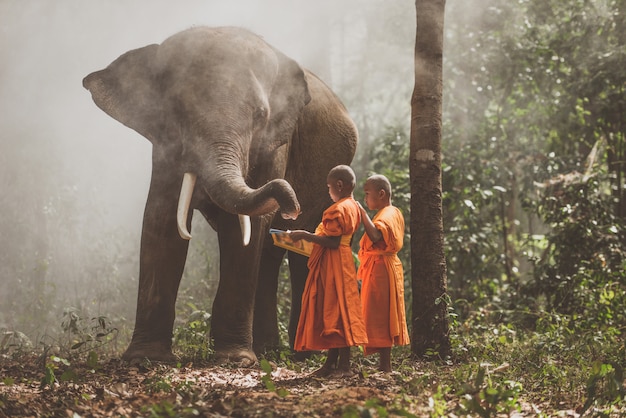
{"x":73,"y":181}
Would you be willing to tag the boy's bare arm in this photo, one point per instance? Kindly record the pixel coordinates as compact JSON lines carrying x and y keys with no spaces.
{"x":370,"y":229}
{"x":324,"y":241}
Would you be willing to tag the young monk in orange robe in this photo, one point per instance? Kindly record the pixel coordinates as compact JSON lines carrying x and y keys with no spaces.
{"x":330,"y":318}
{"x":382,"y":292}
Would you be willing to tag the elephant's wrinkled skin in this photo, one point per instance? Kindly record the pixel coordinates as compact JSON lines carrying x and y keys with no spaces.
{"x":257,"y":130}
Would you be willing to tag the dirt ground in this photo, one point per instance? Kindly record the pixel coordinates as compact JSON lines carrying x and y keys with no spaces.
{"x":38,"y":387}
{"x":117,"y":389}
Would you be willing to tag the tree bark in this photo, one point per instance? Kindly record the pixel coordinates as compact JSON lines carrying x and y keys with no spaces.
{"x":429,"y":318}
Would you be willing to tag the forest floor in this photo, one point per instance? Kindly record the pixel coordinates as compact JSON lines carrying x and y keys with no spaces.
{"x":30,"y":387}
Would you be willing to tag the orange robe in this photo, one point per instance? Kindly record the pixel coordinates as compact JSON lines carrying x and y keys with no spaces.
{"x":382,"y":292}
{"x":331,"y":315}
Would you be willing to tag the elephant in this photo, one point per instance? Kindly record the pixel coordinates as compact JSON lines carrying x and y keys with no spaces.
{"x":244,"y":135}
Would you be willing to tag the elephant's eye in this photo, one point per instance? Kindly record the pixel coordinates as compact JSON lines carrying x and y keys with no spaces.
{"x":260,"y":113}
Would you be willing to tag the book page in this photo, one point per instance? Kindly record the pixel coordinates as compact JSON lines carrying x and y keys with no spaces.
{"x":282,"y":239}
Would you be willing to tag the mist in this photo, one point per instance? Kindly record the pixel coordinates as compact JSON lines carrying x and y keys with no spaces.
{"x":74,"y":181}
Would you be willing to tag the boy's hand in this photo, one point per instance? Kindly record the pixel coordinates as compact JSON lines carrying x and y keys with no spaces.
{"x":363,"y":212}
{"x":297,"y":235}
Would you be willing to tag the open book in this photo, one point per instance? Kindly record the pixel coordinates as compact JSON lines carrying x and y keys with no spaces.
{"x":282,"y":239}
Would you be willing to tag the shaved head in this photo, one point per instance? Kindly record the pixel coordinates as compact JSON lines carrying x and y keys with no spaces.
{"x":345,"y":174}
{"x":380,"y":182}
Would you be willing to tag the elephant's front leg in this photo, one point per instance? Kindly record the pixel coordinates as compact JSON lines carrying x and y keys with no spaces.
{"x":231,"y":323}
{"x":162,"y":260}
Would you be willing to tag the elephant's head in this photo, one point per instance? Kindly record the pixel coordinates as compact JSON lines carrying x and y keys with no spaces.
{"x":219,"y":104}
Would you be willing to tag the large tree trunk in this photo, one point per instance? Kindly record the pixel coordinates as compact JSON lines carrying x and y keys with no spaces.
{"x":428,"y":266}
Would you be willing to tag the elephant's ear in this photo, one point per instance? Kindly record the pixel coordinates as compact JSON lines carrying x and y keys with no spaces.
{"x":127,"y":91}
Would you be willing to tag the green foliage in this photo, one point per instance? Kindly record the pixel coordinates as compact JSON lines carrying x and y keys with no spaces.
{"x":477,"y":205}
{"x":605,"y":385}
{"x":374,"y":408}
{"x":537,"y":70}
{"x":80,"y":338}
{"x":267,"y":379}
{"x":162,"y":409}
{"x":587,"y":278}
{"x":437,"y":403}
{"x":158,"y":384}
{"x":487,"y":398}
{"x":86,"y":337}
{"x":192,"y":338}
{"x":51,"y":369}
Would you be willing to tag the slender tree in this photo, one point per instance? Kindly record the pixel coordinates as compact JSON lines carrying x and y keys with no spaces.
{"x":428,"y":265}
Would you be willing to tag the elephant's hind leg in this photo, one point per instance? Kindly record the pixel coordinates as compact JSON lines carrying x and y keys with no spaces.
{"x":265,"y":328}
{"x":298,"y":272}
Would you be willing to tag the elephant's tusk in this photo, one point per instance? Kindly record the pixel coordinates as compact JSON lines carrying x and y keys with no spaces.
{"x":186,"y":191}
{"x":244,"y":223}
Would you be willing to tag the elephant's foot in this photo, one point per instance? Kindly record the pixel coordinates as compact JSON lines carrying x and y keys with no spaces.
{"x":239,"y":357}
{"x":136,"y":353}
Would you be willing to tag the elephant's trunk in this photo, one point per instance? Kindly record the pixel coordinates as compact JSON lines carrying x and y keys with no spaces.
{"x":219,"y":166}
{"x":222,"y":175}
{"x":186,"y":191}
{"x":232,"y":194}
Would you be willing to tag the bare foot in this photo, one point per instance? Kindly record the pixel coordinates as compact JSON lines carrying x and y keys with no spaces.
{"x":323,"y":371}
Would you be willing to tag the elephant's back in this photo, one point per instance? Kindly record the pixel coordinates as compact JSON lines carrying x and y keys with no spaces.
{"x":326,"y":136}
{"x":209,"y":47}
{"x":328,"y":113}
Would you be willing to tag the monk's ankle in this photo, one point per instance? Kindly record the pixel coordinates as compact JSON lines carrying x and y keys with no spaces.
{"x":323,"y":371}
{"x":385,"y":360}
{"x":331,"y":358}
{"x":385,"y":368}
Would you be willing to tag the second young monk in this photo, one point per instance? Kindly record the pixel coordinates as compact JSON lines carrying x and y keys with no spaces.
{"x":382,"y":292}
{"x":331,"y":315}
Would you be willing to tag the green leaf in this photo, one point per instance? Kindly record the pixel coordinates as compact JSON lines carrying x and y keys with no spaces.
{"x":266,"y":366}
{"x":92,"y":360}
{"x":69,"y":375}
{"x":77,"y":345}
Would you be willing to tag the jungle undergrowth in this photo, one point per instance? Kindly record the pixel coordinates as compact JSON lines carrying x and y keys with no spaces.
{"x":495,"y":368}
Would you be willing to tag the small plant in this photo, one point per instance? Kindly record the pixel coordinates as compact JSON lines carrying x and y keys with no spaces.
{"x":605,"y":383}
{"x":158,"y":384}
{"x":267,"y":380}
{"x":486,"y":399}
{"x":437,"y":402}
{"x":374,"y":408}
{"x":191,"y":338}
{"x":86,"y":337}
{"x":50,"y":371}
{"x":161,"y":410}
